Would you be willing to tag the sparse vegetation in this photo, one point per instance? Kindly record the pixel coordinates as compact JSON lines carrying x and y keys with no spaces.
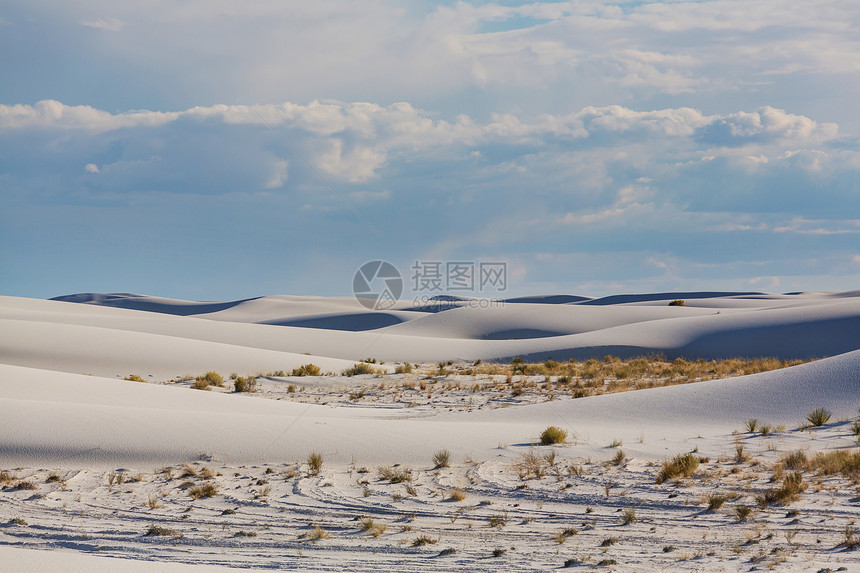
{"x":424,"y":540}
{"x":716,"y":501}
{"x":209,"y":379}
{"x":306,"y":370}
{"x":134,"y":378}
{"x":682,"y":465}
{"x":162,"y":531}
{"x":818,"y":417}
{"x":441,"y":459}
{"x":204,"y":490}
{"x":628,"y":516}
{"x":742,"y":512}
{"x":316,"y":533}
{"x":359,"y":368}
{"x":457,"y":495}
{"x":375,"y":528}
{"x":394,"y":474}
{"x":315,"y":463}
{"x":245,"y":384}
{"x":677,"y":302}
{"x":751,"y":425}
{"x":553,"y":435}
{"x":789,"y":492}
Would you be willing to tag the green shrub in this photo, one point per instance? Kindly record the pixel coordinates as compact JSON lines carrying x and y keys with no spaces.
{"x":553,"y":435}
{"x":245,"y":384}
{"x":306,"y":370}
{"x":818,"y":417}
{"x":359,"y":368}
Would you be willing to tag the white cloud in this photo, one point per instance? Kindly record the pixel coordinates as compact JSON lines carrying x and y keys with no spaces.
{"x":107,"y":24}
{"x":91,"y":168}
{"x":279,"y":175}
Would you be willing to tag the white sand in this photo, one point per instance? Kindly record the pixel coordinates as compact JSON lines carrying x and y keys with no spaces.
{"x":53,"y":417}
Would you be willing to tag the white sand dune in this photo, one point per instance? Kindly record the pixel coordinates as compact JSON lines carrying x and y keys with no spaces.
{"x":273,"y":333}
{"x":53,"y":417}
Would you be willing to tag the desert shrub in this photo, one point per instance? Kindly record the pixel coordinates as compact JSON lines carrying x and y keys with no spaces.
{"x":134,"y":378}
{"x":359,"y":368}
{"x":403,"y":368}
{"x":681,"y":465}
{"x":315,"y":463}
{"x":245,"y":384}
{"x":458,"y":495}
{"x":628,"y":516}
{"x":795,"y":460}
{"x":818,"y":417}
{"x":205,"y":490}
{"x":677,"y":302}
{"x":742,"y":512}
{"x":789,"y":492}
{"x":619,"y":458}
{"x":209,"y":379}
{"x":375,"y":529}
{"x":740,"y":455}
{"x":18,"y":521}
{"x":530,"y":464}
{"x":499,"y":520}
{"x":498,"y":552}
{"x":24,"y":485}
{"x":163,"y":531}
{"x":316,"y":533}
{"x":394,"y":475}
{"x":751,"y":425}
{"x":188,"y":471}
{"x":424,"y":540}
{"x":244,"y":533}
{"x":838,"y":461}
{"x":306,"y":370}
{"x":855,"y":428}
{"x":716,"y":501}
{"x":553,"y":435}
{"x":442,"y":459}
{"x":53,"y":477}
{"x":292,"y":388}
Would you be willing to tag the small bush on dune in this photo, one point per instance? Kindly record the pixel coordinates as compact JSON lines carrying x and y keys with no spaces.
{"x":553,"y":435}
{"x":246,"y":384}
{"x":818,"y":417}
{"x":205,"y":490}
{"x":458,"y":495}
{"x":316,"y":533}
{"x":790,"y":491}
{"x":795,"y":460}
{"x":394,"y":475}
{"x":716,"y":501}
{"x":306,"y":370}
{"x":677,"y":302}
{"x":628,"y":516}
{"x":162,"y":531}
{"x":751,"y":425}
{"x":442,"y":459}
{"x":315,"y":463}
{"x":359,"y":368}
{"x":742,"y":512}
{"x":838,"y":461}
{"x":681,"y":465}
{"x":134,"y":378}
{"x":209,"y":379}
{"x":403,"y":369}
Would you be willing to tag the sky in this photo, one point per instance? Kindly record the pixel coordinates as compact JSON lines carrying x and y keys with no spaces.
{"x":214,"y":150}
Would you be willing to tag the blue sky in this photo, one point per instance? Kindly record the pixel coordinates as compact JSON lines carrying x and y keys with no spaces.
{"x":216,"y":150}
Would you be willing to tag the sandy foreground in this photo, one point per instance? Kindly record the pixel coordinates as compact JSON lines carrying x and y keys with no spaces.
{"x":110,"y":473}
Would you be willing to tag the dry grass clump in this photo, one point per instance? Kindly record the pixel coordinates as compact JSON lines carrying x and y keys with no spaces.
{"x":24,"y":485}
{"x":6,"y":477}
{"x":532,"y":465}
{"x":716,"y":501}
{"x":457,"y":495}
{"x":403,"y":368}
{"x":837,"y":461}
{"x":315,"y":463}
{"x":424,"y":540}
{"x":795,"y":460}
{"x":499,"y":520}
{"x":789,"y":492}
{"x":162,"y":531}
{"x":394,"y":474}
{"x":134,"y":378}
{"x":742,"y":512}
{"x":682,"y":465}
{"x":628,"y":516}
{"x":204,"y":490}
{"x":818,"y":417}
{"x":306,"y":370}
{"x":441,"y":459}
{"x":553,"y":435}
{"x":368,"y":524}
{"x":316,"y":533}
